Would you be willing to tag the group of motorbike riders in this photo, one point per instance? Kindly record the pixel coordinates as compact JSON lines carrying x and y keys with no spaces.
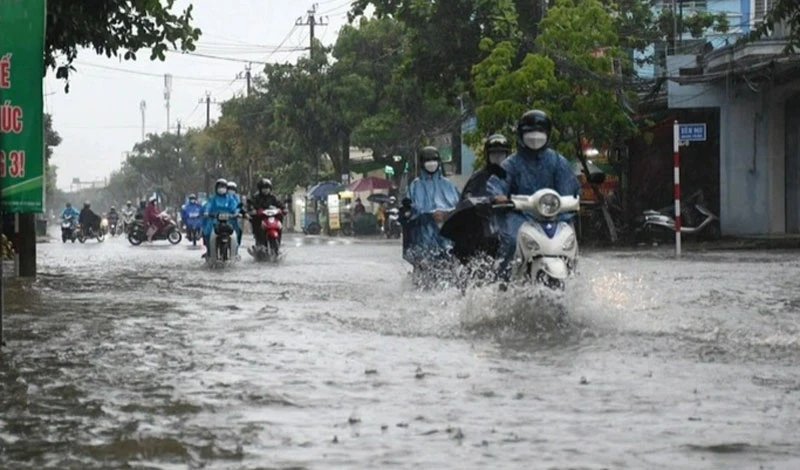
{"x":430,"y":198}
{"x":224,"y":200}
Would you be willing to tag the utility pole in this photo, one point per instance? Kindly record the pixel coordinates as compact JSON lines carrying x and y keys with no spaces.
{"x":142,"y":108}
{"x":179,"y":127}
{"x":246,"y":75}
{"x":167,"y":93}
{"x":311,"y":21}
{"x":207,"y":100}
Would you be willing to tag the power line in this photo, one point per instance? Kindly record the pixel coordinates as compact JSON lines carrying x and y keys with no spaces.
{"x":150,"y":74}
{"x":311,"y":21}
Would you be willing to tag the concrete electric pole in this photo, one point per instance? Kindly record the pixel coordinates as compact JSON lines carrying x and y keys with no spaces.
{"x":311,"y":21}
{"x":142,"y":108}
{"x":167,"y":93}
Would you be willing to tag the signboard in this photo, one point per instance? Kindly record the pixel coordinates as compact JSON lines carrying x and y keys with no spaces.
{"x":21,"y":118}
{"x":692,"y":132}
{"x":333,"y":212}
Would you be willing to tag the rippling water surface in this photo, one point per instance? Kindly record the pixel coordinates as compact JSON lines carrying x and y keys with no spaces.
{"x":124,"y":357}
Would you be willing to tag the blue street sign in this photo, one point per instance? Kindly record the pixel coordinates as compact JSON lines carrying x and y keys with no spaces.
{"x":692,"y":132}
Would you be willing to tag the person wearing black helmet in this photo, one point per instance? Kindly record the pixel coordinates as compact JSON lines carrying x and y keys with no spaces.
{"x":261,"y":199}
{"x":495,"y":151}
{"x":432,"y":198}
{"x":533,"y":167}
{"x":90,"y":222}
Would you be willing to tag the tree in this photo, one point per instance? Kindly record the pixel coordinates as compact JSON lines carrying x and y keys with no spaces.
{"x":51,"y":140}
{"x":574,"y":76}
{"x":113,"y":26}
{"x":783,"y":12}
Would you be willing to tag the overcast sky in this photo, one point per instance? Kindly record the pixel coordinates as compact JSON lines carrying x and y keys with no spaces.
{"x":99,"y":119}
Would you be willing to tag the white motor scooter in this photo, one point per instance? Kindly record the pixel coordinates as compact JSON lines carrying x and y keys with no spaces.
{"x":547,"y":250}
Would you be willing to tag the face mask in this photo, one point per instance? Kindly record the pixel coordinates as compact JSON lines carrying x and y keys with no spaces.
{"x":265,"y":191}
{"x":222,"y":191}
{"x":192,"y":201}
{"x":497,"y":158}
{"x":431,"y":166}
{"x":534,"y":140}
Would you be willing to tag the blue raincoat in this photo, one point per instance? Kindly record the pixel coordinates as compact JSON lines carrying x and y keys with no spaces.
{"x":428,"y":193}
{"x":191,"y":214}
{"x":70,"y":212}
{"x":217,"y":204}
{"x":528,"y":171}
{"x":235,"y":222}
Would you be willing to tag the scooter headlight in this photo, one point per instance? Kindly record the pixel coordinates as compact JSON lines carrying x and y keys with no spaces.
{"x":528,"y":242}
{"x":569,"y":245}
{"x":549,"y":204}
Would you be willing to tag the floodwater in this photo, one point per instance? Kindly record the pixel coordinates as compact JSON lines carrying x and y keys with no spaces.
{"x":140,"y":358}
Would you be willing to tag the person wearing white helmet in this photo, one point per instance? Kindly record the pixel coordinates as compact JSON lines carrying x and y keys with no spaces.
{"x":233,"y":192}
{"x":218,"y":203}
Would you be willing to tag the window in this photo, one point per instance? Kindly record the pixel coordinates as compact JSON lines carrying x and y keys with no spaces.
{"x":760,"y":9}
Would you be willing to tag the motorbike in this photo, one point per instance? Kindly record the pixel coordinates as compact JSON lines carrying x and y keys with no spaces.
{"x":432,"y":268}
{"x":138,"y":233}
{"x":222,"y":243}
{"x":113,"y":227}
{"x":68,"y":229}
{"x":696,"y":219}
{"x":104,"y":226}
{"x":547,"y":248}
{"x":272,"y":225}
{"x":393,"y":228}
{"x":87,"y":233}
{"x":126,"y":223}
{"x":194,"y":226}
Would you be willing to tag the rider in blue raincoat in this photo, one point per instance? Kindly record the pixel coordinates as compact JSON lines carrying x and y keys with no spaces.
{"x":70,"y":211}
{"x":220,"y":202}
{"x":233,"y":191}
{"x":192,"y":213}
{"x":432,"y":198}
{"x":533,"y":167}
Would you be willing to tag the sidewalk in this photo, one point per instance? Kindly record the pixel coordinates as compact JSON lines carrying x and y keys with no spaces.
{"x":754,"y":242}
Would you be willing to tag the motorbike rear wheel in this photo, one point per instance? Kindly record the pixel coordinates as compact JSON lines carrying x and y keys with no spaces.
{"x":174,"y":237}
{"x":273,"y":247}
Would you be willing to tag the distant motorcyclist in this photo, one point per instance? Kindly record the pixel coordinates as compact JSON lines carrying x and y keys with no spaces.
{"x":261,"y":199}
{"x":70,"y":211}
{"x":113,"y":217}
{"x":233,"y":192}
{"x":88,"y":219}
{"x":190,"y":207}
{"x":432,"y":197}
{"x":219,"y":203}
{"x":152,"y":218}
{"x":533,"y":167}
{"x":495,"y":151}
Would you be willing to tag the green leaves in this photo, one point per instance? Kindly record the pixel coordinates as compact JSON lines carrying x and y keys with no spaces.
{"x":571,"y":76}
{"x":114,"y":26}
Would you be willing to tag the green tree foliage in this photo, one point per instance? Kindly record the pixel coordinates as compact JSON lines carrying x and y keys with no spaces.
{"x":785,"y":12}
{"x":111,"y":27}
{"x":51,"y":140}
{"x":572,"y":77}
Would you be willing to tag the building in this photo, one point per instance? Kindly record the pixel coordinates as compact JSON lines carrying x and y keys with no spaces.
{"x":756,"y":88}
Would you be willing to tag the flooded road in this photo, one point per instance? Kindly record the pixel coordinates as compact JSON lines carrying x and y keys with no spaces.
{"x":139,"y":358}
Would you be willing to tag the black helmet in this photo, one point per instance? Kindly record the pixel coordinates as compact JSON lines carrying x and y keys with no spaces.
{"x":534,"y":120}
{"x":429,"y":153}
{"x":496,"y":142}
{"x":264,"y":183}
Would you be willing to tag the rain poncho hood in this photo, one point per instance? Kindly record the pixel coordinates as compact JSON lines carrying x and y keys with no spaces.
{"x":528,"y":171}
{"x":428,"y":193}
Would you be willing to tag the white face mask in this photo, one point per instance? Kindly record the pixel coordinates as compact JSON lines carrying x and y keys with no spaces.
{"x":222,"y":191}
{"x":496,"y":158}
{"x":534,"y":140}
{"x":431,"y":166}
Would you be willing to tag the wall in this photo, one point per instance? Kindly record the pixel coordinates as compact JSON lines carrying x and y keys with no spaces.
{"x":752,"y":151}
